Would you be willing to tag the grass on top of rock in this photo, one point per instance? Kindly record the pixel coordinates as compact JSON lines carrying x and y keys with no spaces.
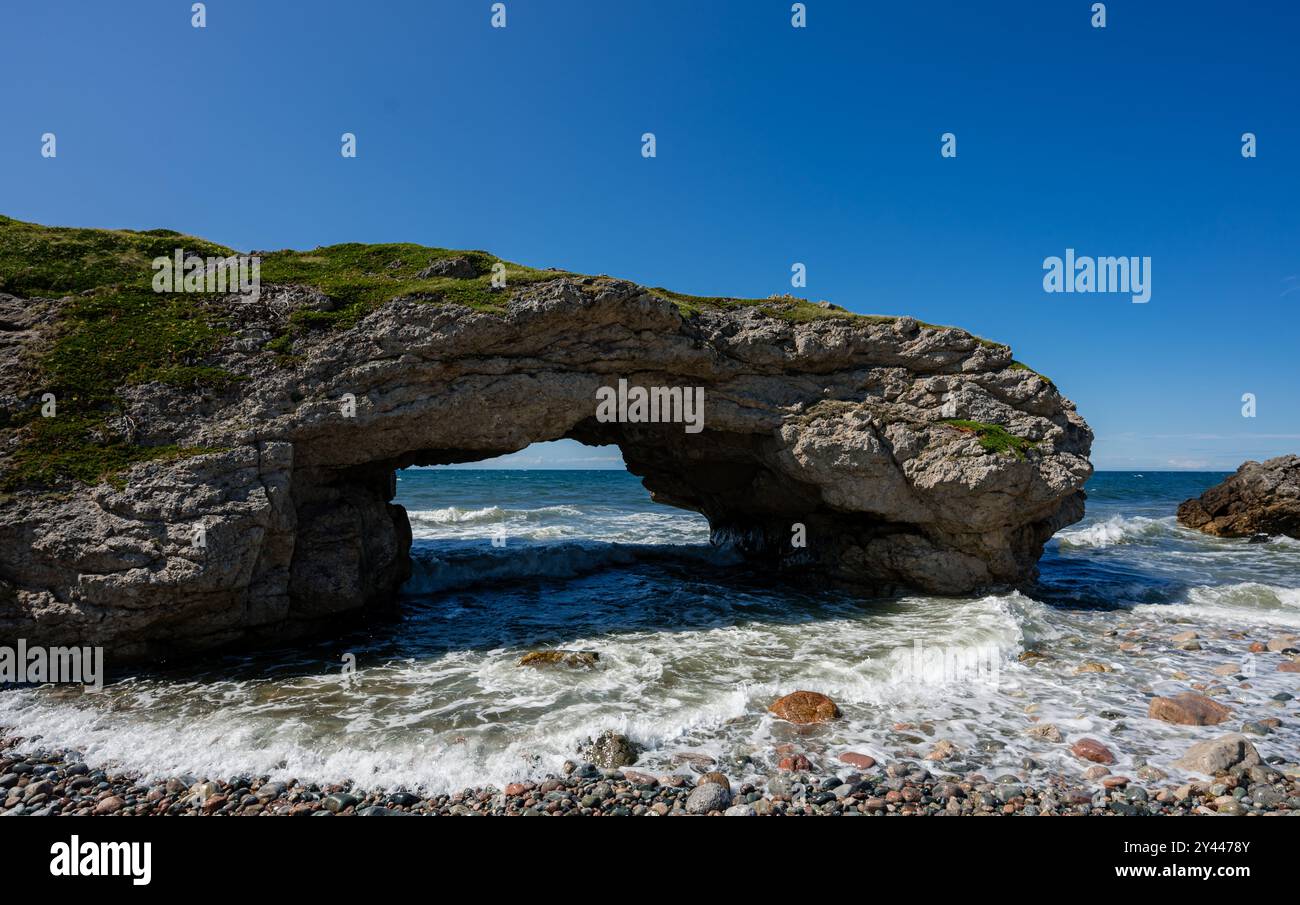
{"x":114,"y":330}
{"x":359,"y":278}
{"x":52,"y":261}
{"x":792,"y":309}
{"x":1021,"y":366}
{"x":993,"y":437}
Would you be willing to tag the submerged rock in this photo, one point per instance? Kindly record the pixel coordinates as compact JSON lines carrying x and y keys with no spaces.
{"x":1092,"y":750}
{"x":1188,"y":709}
{"x":1261,"y":498}
{"x":571,"y":658}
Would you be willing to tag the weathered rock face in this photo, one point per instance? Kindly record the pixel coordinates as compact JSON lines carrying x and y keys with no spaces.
{"x":1260,"y":498}
{"x":838,"y":425}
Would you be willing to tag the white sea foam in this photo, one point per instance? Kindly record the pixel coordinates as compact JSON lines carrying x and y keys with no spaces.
{"x":1116,"y":530}
{"x":690,"y":662}
{"x":1243,"y":603}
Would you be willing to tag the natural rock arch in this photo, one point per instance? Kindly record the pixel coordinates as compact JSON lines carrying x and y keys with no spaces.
{"x":914,"y":456}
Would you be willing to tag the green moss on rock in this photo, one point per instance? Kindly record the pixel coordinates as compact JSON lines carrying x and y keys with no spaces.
{"x":993,"y":437}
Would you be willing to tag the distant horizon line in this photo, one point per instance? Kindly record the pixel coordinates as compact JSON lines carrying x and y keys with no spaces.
{"x":456,"y":466}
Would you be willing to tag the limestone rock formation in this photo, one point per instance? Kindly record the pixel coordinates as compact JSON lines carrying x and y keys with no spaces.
{"x":1260,"y":498}
{"x":233,"y":482}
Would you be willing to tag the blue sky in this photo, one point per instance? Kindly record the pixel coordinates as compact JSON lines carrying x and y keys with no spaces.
{"x":775,"y":145}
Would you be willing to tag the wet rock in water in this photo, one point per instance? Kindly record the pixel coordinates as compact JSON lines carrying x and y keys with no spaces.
{"x":1032,"y":656}
{"x":1188,"y":709}
{"x":1092,"y":750}
{"x":794,"y":763}
{"x":1288,"y":666}
{"x":942,"y":750}
{"x":1092,"y":666}
{"x":1219,"y":754}
{"x":1046,"y":731}
{"x":610,"y":750}
{"x":1185,"y":636}
{"x":706,"y":798}
{"x":861,"y":761}
{"x":570,"y":658}
{"x":1260,"y":498}
{"x":1282,"y":642}
{"x":717,"y":779}
{"x":805,"y":707}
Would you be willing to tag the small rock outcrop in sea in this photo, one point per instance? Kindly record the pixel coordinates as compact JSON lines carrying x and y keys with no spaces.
{"x":805,"y":707}
{"x":182,"y":471}
{"x":571,"y":658}
{"x":610,"y":750}
{"x":1260,"y":498}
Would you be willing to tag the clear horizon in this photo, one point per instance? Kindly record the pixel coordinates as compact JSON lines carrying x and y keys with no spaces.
{"x":570,"y":455}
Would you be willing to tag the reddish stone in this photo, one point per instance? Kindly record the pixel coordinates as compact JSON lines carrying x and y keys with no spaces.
{"x":1188,"y":710}
{"x":1115,"y":782}
{"x":1093,"y":750}
{"x":861,"y":761}
{"x":795,"y":763}
{"x":805,"y":707}
{"x":515,"y":789}
{"x":1258,"y":647}
{"x":110,"y":805}
{"x":1288,"y":666}
{"x":640,"y":779}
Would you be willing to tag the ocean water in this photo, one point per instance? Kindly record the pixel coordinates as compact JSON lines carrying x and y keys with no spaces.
{"x":693,"y":647}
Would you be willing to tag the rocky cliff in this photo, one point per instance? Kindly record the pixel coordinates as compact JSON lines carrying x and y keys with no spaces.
{"x":220,"y":469}
{"x":1260,"y":498}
